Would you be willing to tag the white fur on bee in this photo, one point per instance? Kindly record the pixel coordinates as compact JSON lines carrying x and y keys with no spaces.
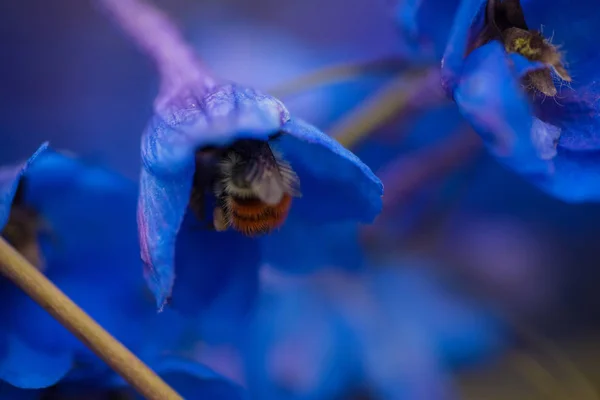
{"x":226,"y":186}
{"x":289,"y":176}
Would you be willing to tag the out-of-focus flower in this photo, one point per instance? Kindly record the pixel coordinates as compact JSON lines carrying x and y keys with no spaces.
{"x":75,"y":222}
{"x":298,"y":347}
{"x":425,"y":25}
{"x":190,"y":379}
{"x":397,"y":332}
{"x":534,"y":103}
{"x":509,"y":260}
{"x":211,"y":161}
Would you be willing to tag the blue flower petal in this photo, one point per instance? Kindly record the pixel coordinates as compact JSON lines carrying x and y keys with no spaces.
{"x":84,"y":204}
{"x":227,"y":113}
{"x":575,"y":177}
{"x":335,"y":184}
{"x":464,"y":28}
{"x":491,"y":99}
{"x":576,"y":112}
{"x":9,"y":181}
{"x":521,"y":65}
{"x":305,"y":246}
{"x":31,"y":369}
{"x":193,"y":380}
{"x":217,"y":278}
{"x":427,"y":21}
{"x":131,"y":320}
{"x":298,"y":348}
{"x":91,"y":214}
{"x":37,"y":328}
{"x":161,"y":208}
{"x":428,"y":325}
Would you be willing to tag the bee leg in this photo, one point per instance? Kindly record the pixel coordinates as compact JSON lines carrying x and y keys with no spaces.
{"x":220,"y":220}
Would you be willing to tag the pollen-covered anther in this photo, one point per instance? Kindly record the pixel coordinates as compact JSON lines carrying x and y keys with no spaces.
{"x":533,"y":46}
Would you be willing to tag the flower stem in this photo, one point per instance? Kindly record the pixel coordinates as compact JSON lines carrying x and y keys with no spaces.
{"x":16,"y":268}
{"x":408,"y":173}
{"x":391,"y":102}
{"x":157,"y":36}
{"x":338,"y":73}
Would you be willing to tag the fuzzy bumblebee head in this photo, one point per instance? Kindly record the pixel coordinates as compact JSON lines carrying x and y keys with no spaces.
{"x":253,"y":186}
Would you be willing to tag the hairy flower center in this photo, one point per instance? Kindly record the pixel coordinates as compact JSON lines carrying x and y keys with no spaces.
{"x":522,"y":45}
{"x":505,"y":21}
{"x":252,"y":185}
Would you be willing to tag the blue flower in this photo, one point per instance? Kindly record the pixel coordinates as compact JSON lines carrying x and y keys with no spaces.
{"x":397,"y":331}
{"x":190,"y":379}
{"x":298,"y":347}
{"x":500,"y":71}
{"x":217,"y":156}
{"x":242,"y":127}
{"x":76,"y":222}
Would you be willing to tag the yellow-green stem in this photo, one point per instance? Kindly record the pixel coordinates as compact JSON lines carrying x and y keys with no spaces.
{"x":337,"y":73}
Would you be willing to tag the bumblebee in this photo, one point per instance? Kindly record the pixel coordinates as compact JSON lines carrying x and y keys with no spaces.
{"x":252,"y":184}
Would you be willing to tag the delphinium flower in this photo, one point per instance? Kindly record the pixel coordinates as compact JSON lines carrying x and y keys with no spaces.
{"x":76,"y":223}
{"x":297,"y":346}
{"x":397,"y":332}
{"x":222,"y":164}
{"x":524,"y":75}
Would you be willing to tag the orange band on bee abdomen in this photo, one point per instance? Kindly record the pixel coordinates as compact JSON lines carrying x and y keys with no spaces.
{"x":256,"y":209}
{"x":252,"y":217}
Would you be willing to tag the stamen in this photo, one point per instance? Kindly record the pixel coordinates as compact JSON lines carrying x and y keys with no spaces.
{"x":505,"y":21}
